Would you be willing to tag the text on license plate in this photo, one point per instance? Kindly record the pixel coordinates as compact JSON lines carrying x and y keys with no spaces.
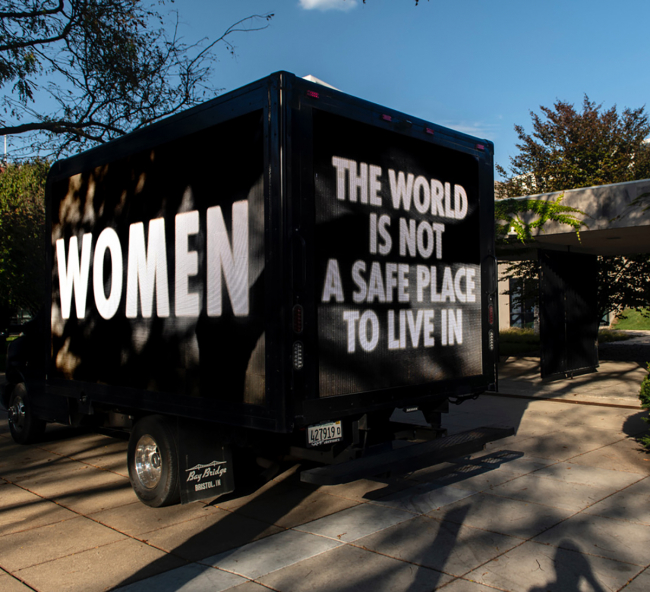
{"x":324,"y":433}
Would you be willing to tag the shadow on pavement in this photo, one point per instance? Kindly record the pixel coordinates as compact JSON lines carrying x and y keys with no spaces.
{"x":235,"y":521}
{"x":570,"y":575}
{"x":234,"y":528}
{"x":635,"y":426}
{"x":613,"y":382}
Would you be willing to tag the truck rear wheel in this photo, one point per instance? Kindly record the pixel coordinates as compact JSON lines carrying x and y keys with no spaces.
{"x":153,"y":462}
{"x":24,"y":426}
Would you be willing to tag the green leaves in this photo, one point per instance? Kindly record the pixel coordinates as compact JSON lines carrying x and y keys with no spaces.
{"x":644,"y":395}
{"x":623,"y":283}
{"x":22,"y":235}
{"x":516,"y":219}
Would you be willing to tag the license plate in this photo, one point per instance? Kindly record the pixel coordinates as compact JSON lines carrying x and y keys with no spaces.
{"x":324,"y":433}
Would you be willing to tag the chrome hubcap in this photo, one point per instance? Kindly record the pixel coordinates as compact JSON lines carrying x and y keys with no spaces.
{"x":16,"y":413}
{"x":148,"y":463}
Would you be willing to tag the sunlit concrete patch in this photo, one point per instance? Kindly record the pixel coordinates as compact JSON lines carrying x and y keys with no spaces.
{"x":96,"y":569}
{"x":281,"y":484}
{"x":462,"y":585}
{"x":532,"y":567}
{"x":272,"y":553}
{"x":562,"y":444}
{"x":214,"y":533}
{"x":622,"y":455}
{"x":640,"y":583}
{"x":443,"y":545}
{"x":136,"y":519}
{"x":11,"y":584}
{"x":424,"y":498}
{"x":553,"y":492}
{"x":46,"y":543}
{"x":610,"y":538}
{"x":74,"y":485}
{"x":512,"y":460}
{"x":294,"y":507}
{"x":482,"y":471}
{"x":630,"y":504}
{"x":613,"y":383}
{"x":249,"y":587}
{"x":573,"y":473}
{"x":351,"y":569}
{"x":18,"y":463}
{"x":354,"y":523}
{"x":80,"y":445}
{"x":189,"y":578}
{"x":94,"y":449}
{"x":479,"y":478}
{"x":22,"y":510}
{"x":506,"y":516}
{"x":374,"y":488}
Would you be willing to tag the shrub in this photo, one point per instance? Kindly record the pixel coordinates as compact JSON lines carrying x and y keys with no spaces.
{"x":608,"y":335}
{"x":644,"y":395}
{"x":518,"y":342}
{"x":517,"y":335}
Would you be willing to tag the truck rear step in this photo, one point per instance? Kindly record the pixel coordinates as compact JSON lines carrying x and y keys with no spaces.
{"x":407,"y":458}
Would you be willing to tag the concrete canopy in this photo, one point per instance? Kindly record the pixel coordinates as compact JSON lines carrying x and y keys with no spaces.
{"x":616,"y":217}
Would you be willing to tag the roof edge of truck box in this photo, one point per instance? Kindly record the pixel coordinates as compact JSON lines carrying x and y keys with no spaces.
{"x":156,"y":132}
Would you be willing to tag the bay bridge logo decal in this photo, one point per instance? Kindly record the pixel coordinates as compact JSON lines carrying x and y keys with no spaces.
{"x":199,"y":473}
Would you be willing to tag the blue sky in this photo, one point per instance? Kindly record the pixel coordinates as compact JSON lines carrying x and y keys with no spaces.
{"x":472,"y":65}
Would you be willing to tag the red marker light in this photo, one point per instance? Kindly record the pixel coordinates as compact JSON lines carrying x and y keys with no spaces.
{"x":428,"y":130}
{"x":491,"y":314}
{"x":480,"y":146}
{"x":386,"y":117}
{"x":297,"y":318}
{"x":313,"y":94}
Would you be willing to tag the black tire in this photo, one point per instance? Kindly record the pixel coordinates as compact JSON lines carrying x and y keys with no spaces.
{"x":153,"y":462}
{"x":24,"y":426}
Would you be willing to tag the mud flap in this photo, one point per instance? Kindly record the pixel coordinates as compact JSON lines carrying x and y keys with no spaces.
{"x":205,"y":462}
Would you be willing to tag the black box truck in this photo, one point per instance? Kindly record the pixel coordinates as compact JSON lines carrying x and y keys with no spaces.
{"x":275,"y":271}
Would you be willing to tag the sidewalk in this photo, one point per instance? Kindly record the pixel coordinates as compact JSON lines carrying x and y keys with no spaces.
{"x":613,"y":383}
{"x":562,"y":505}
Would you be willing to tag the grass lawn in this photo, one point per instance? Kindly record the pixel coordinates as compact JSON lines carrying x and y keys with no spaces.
{"x":518,"y":342}
{"x":635,"y":321}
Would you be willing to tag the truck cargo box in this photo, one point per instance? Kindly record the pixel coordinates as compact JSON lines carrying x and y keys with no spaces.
{"x":281,"y":257}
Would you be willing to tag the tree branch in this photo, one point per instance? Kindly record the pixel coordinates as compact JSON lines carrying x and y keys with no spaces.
{"x":43,"y":41}
{"x":34,"y":13}
{"x":58,"y":127}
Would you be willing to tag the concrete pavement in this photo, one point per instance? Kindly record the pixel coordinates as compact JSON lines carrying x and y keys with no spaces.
{"x":613,"y":383}
{"x":562,"y":505}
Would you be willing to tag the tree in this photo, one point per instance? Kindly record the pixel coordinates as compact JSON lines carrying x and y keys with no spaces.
{"x":569,"y":149}
{"x":22,"y":236}
{"x":107,"y":66}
